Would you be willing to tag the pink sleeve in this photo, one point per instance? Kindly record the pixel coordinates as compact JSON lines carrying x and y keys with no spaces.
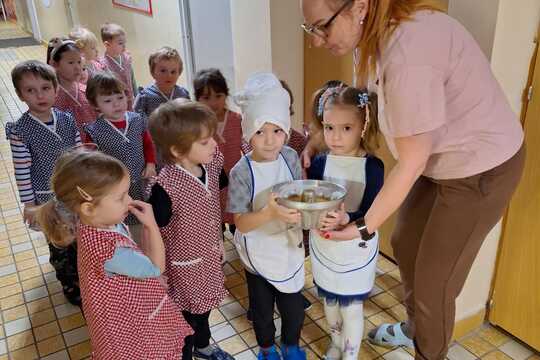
{"x":414,"y":100}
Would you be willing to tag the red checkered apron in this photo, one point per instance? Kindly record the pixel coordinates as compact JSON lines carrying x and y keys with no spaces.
{"x":78,"y":106}
{"x":230,"y":145}
{"x":193,"y":238}
{"x":127,"y":318}
{"x":122,"y":70}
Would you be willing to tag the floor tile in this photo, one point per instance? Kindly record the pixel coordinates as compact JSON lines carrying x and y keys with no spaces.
{"x":515,"y":350}
{"x":232,"y":310}
{"x":61,"y":355}
{"x":66,"y":310}
{"x":76,"y":336}
{"x":45,"y":331}
{"x":496,"y":355}
{"x":233,"y":345}
{"x":3,"y":347}
{"x":17,"y":326}
{"x":50,"y":346}
{"x":477,"y":345}
{"x":8,"y":269}
{"x":73,"y":321}
{"x":21,"y":247}
{"x":36,"y":293}
{"x":27,"y":353}
{"x":20,"y":340}
{"x":15,"y":313}
{"x":222,"y":331}
{"x":246,"y":355}
{"x":80,"y":351}
{"x":398,"y":354}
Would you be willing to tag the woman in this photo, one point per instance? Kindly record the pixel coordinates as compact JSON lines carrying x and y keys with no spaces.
{"x":459,"y":150}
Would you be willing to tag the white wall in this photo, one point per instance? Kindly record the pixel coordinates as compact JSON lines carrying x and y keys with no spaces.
{"x":53,"y":21}
{"x":479,"y":17}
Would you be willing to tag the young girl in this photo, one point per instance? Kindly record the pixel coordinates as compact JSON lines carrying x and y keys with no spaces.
{"x":126,"y":306}
{"x":122,"y":134}
{"x":65,"y":57}
{"x":165,"y":67}
{"x":344,"y":271}
{"x":87,"y":42}
{"x":267,"y":246}
{"x":211,"y":89}
{"x":185,"y":199}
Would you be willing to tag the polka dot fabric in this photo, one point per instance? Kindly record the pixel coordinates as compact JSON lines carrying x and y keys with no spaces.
{"x":150,"y":98}
{"x":193,"y":238}
{"x":78,"y":106}
{"x":127,"y":318}
{"x":122,"y":71}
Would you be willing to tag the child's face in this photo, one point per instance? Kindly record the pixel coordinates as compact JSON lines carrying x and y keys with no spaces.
{"x":69,"y":68}
{"x":342,"y":130}
{"x":113,"y":107}
{"x":202,"y":151}
{"x":90,"y":51}
{"x":166,"y":73}
{"x":214,"y":100}
{"x":39,"y":94}
{"x":116,"y":46}
{"x":267,"y":142}
{"x":112,"y":209}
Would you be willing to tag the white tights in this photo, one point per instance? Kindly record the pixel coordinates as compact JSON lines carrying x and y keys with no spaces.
{"x":346,"y":329}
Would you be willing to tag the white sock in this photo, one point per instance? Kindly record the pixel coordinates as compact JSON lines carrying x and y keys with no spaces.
{"x":335,"y":323}
{"x":353,"y":330}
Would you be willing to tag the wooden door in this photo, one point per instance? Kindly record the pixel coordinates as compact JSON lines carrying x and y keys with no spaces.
{"x":515,"y":303}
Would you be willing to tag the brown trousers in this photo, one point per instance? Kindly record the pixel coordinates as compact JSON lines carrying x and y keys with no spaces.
{"x":439,"y":231}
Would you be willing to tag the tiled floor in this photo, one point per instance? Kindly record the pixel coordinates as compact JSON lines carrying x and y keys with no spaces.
{"x":36,"y":322}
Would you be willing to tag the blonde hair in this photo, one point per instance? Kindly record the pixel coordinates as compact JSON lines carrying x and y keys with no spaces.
{"x":179,"y":123}
{"x":79,"y":176}
{"x":165,"y":53}
{"x":109,"y":31}
{"x":383,"y":17}
{"x":83,"y":37}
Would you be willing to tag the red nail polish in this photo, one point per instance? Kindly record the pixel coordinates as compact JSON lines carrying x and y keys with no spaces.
{"x":327,"y":236}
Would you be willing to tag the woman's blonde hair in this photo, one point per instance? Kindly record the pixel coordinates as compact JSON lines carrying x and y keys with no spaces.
{"x":82,"y":37}
{"x":382,"y":19}
{"x":79,"y":176}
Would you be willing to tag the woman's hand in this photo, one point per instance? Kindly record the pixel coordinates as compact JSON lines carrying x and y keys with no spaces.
{"x":289,"y":216}
{"x":29,"y":214}
{"x":349,"y":232}
{"x":334,"y":219}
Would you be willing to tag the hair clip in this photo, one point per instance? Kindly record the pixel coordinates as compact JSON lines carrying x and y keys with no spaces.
{"x":84,"y":194}
{"x":327,"y":94}
{"x":363,"y":99}
{"x":57,"y":43}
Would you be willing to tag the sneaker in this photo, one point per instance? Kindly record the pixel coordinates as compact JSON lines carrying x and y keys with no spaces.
{"x":292,"y":352}
{"x":216,"y":354}
{"x":270,"y":354}
{"x":307,"y":303}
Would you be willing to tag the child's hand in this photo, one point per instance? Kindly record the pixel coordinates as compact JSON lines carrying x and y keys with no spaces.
{"x":334,"y":219}
{"x":289,"y":216}
{"x":29,"y":214}
{"x":149,"y":171}
{"x":144,"y":213}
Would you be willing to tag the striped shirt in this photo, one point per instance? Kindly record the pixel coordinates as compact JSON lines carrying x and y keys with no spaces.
{"x":22,"y":161}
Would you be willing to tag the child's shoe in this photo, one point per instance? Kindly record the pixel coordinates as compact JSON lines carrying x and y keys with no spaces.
{"x":333,"y":352}
{"x":292,"y":352}
{"x":214,"y":353}
{"x":269,"y":354}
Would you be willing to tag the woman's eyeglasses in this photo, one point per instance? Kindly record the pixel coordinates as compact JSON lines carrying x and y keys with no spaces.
{"x":322,"y":30}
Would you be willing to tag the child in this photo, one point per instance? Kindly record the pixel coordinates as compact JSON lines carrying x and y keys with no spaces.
{"x":165,"y":67}
{"x":87,"y":42}
{"x":117,"y":59}
{"x":121,"y":134}
{"x":270,"y":250}
{"x":66,"y":59}
{"x":126,"y":306}
{"x":211,"y":89}
{"x":344,"y":271}
{"x":37,"y":139}
{"x":185,"y":199}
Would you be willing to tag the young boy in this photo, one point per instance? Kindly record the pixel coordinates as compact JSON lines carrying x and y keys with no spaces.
{"x":185,"y":200}
{"x":121,"y":134}
{"x":166,"y":67}
{"x":274,"y":267}
{"x":37,"y":140}
{"x":117,"y":59}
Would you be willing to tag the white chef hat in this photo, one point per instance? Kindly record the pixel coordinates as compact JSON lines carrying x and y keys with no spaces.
{"x":263,"y":100}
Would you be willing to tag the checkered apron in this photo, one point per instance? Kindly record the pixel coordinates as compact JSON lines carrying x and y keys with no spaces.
{"x":127,"y":146}
{"x":127,"y":318}
{"x":122,"y":70}
{"x":78,"y":106}
{"x":45,"y":147}
{"x":193,"y":238}
{"x":151,"y":97}
{"x":230,"y":145}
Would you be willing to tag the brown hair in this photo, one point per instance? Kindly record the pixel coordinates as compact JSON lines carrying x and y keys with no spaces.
{"x":179,"y":123}
{"x":79,"y":176}
{"x":109,"y":31}
{"x":383,"y":17}
{"x":82,"y":37}
{"x":34,"y":67}
{"x":103,"y":83}
{"x":59,"y":45}
{"x":165,"y":53}
{"x":289,"y":91}
{"x":350,"y":97}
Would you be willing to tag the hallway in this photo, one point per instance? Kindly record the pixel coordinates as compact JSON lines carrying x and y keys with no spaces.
{"x":37,"y":322}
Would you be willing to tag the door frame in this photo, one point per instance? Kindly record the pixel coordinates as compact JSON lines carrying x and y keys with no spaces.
{"x":32,"y":14}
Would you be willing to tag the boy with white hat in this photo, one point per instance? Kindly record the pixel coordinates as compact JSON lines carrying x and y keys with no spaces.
{"x":267,"y":244}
